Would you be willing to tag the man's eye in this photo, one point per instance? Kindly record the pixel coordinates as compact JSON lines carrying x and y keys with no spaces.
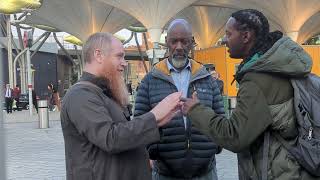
{"x":174,"y":41}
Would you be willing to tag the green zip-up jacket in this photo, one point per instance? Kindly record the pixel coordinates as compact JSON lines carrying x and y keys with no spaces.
{"x":264,"y":102}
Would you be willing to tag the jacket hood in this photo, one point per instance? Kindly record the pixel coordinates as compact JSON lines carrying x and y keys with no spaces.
{"x":285,"y":57}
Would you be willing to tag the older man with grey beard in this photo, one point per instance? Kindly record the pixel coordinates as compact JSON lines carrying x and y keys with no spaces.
{"x":182,"y":151}
{"x":101,"y":143}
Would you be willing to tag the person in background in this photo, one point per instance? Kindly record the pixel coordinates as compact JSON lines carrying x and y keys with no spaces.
{"x":8,"y":98}
{"x":129,"y":87}
{"x":51,"y":102}
{"x":137,"y":87}
{"x":16,"y":96}
{"x":54,"y":98}
{"x":34,"y":100}
{"x":220,"y":83}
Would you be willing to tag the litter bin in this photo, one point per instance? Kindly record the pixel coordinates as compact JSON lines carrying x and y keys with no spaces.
{"x":43,"y":114}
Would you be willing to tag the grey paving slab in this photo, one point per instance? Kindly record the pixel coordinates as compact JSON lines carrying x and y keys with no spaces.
{"x":38,"y":154}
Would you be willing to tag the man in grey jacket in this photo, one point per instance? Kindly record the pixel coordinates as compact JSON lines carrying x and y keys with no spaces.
{"x":101,"y":142}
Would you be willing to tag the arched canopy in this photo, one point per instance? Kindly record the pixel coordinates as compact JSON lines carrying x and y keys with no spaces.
{"x":153,"y":14}
{"x":208,"y":23}
{"x":81,"y":18}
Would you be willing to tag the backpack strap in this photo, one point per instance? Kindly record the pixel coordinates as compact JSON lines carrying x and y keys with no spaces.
{"x":266,"y":144}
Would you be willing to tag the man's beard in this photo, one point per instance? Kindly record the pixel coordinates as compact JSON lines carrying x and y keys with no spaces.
{"x":117,"y":86}
{"x":179,"y":62}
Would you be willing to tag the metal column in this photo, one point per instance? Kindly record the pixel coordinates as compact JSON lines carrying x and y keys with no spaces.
{"x":29,"y":81}
{"x":10,"y":60}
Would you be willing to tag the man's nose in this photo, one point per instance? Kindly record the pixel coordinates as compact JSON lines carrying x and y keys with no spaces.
{"x":123,"y":62}
{"x":179,"y":46}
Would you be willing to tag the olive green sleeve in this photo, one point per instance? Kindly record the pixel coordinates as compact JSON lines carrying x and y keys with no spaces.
{"x":249,"y":119}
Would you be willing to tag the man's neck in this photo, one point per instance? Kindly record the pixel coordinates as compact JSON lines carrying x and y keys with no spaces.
{"x":91,"y":71}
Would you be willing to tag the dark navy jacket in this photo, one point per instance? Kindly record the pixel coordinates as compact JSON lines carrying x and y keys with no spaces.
{"x":182,"y":152}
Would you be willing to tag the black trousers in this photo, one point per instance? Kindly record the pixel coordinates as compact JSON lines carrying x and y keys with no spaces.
{"x":35,"y":104}
{"x":9,"y":102}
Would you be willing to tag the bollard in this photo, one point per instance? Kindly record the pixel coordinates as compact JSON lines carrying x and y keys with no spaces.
{"x":43,"y":114}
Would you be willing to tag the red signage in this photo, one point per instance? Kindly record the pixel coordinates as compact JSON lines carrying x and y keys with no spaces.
{"x":25,"y":39}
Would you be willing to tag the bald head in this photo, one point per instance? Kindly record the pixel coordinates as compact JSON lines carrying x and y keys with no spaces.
{"x":179,"y":24}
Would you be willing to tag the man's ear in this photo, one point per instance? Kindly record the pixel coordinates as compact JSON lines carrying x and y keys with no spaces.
{"x":97,"y":54}
{"x":247,"y":36}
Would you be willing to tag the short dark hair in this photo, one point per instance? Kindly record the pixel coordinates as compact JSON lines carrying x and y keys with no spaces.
{"x":254,"y":20}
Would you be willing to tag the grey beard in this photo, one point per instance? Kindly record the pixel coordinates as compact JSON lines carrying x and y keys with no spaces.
{"x":179,"y":63}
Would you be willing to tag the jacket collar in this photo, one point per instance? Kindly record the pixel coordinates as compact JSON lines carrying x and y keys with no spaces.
{"x":162,"y":71}
{"x":162,"y":67}
{"x":100,"y":82}
{"x":171,"y":68}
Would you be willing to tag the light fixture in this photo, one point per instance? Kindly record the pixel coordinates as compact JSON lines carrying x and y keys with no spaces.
{"x":73,"y":40}
{"x":45,"y":28}
{"x":18,"y":6}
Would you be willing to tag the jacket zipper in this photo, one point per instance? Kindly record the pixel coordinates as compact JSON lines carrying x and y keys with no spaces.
{"x":188,"y":130}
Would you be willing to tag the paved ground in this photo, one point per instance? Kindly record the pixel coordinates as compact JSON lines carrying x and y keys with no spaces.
{"x":38,"y":154}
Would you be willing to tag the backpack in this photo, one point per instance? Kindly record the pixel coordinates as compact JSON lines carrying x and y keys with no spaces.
{"x":307,"y":108}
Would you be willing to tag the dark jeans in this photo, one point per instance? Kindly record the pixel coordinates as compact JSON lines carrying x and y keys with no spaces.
{"x":9,"y":102}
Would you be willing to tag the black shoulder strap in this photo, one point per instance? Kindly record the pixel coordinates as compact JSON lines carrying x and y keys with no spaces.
{"x":266,"y":146}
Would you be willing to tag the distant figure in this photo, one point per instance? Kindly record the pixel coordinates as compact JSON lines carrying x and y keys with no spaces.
{"x":51,"y":102}
{"x":34,"y":99}
{"x":54,"y":99}
{"x":16,"y":96}
{"x":129,"y":87}
{"x":220,"y":83}
{"x":137,"y":86}
{"x":8,"y":98}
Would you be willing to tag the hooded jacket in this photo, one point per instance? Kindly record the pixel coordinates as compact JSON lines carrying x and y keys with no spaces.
{"x":264,"y":103}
